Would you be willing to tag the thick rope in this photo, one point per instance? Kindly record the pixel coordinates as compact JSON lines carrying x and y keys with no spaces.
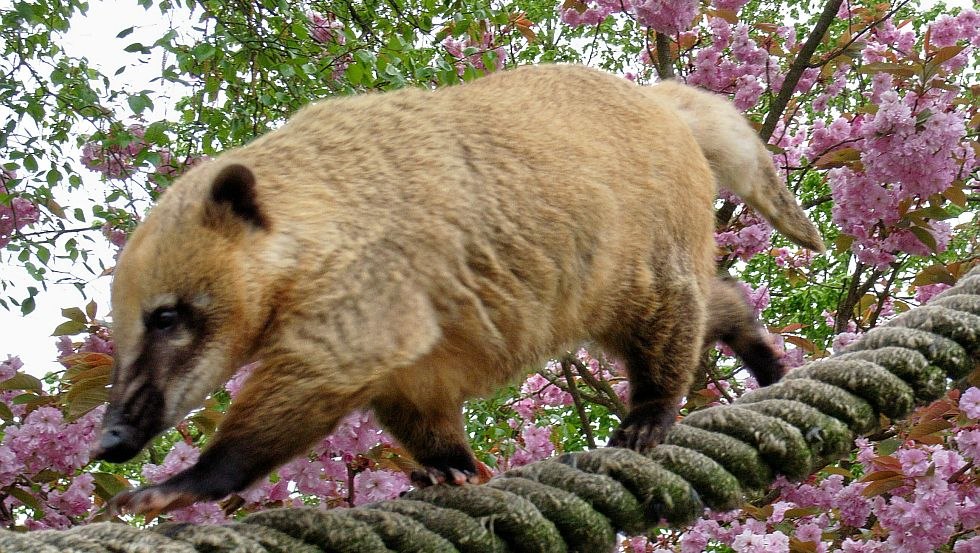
{"x":579,"y":501}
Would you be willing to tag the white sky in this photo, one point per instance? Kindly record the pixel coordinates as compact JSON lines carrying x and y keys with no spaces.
{"x":94,"y":37}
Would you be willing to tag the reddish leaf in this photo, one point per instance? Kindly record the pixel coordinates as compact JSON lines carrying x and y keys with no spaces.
{"x":879,"y":487}
{"x":838,"y":158}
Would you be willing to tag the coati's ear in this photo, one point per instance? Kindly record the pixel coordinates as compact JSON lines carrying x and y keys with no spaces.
{"x":233,"y":196}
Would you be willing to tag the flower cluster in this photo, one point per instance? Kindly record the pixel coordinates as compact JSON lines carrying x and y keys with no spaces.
{"x":326,"y":29}
{"x":470,"y":52}
{"x":115,"y":159}
{"x":660,"y":15}
{"x":735,"y":63}
{"x":118,"y":156}
{"x":15,"y":213}
{"x":910,"y":148}
{"x":38,"y":440}
{"x":752,"y":236}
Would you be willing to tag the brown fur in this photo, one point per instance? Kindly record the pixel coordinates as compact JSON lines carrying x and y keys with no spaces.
{"x":732,"y":321}
{"x":406,"y":251}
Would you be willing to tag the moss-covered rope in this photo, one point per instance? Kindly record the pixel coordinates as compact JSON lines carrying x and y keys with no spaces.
{"x":578,"y":501}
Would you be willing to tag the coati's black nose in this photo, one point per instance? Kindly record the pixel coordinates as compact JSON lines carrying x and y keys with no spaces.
{"x":119,"y":443}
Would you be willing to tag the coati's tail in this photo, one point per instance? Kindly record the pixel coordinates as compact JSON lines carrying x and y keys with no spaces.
{"x":733,"y":322}
{"x":778,"y":205}
{"x":738,"y":157}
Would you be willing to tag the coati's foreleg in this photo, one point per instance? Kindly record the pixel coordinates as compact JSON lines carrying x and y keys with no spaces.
{"x":280,"y":413}
{"x":733,"y":321}
{"x":660,"y":356}
{"x":434,"y":436}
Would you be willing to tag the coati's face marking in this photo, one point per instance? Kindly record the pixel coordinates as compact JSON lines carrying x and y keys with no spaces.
{"x":182,"y":321}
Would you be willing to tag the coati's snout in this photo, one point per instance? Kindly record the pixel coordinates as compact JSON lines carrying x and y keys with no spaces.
{"x":119,"y":444}
{"x":127,"y":428}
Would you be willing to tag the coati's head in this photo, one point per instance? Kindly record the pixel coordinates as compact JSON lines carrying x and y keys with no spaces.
{"x":183,"y":318}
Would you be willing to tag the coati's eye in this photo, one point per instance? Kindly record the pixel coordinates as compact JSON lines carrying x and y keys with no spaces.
{"x":163,"y":318}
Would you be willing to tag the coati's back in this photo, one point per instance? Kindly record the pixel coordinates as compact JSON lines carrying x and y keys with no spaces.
{"x":483,"y":191}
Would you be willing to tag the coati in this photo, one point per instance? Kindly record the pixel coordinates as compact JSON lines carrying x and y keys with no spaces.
{"x":408,"y":250}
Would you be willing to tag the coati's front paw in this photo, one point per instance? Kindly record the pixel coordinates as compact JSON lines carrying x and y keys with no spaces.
{"x":434,"y":475}
{"x":644,"y":427}
{"x":152,"y":501}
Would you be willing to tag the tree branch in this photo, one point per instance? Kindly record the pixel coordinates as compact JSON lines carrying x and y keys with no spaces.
{"x":579,"y":406}
{"x":798,"y":66}
{"x":665,"y":69}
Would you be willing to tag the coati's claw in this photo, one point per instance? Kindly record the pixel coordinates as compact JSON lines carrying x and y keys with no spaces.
{"x":644,"y":428}
{"x":151,"y":501}
{"x":431,"y":476}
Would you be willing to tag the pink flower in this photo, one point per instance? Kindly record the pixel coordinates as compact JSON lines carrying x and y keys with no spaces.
{"x":968,"y":442}
{"x":19,"y":213}
{"x":971,"y":545}
{"x":669,"y":17}
{"x":10,"y":367}
{"x":850,"y":545}
{"x":970,"y":402}
{"x":235,"y":384}
{"x":10,"y":467}
{"x":926,"y":292}
{"x":458,"y":48}
{"x":915,"y":462}
{"x":944,"y":31}
{"x":733,"y":5}
{"x":326,"y":30}
{"x":77,"y":499}
{"x":854,"y":507}
{"x":378,"y":485}
{"x":182,"y":456}
{"x":747,"y":542}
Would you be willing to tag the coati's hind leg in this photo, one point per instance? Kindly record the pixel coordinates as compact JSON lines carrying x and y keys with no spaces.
{"x":733,"y":322}
{"x":660,"y":355}
{"x":434,"y":436}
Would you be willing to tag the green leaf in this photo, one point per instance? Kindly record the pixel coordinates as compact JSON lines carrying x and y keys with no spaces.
{"x":156,"y":133}
{"x":74,"y":314}
{"x":27,"y":499}
{"x":136,"y":47}
{"x":125,"y":32}
{"x":21,"y":381}
{"x":204,"y":51}
{"x":27,"y":306}
{"x":925,"y":237}
{"x":108,"y":485}
{"x":69,"y":328}
{"x":139,"y":102}
{"x":888,"y":446}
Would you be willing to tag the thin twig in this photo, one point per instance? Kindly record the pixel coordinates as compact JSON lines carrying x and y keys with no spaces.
{"x":579,"y":405}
